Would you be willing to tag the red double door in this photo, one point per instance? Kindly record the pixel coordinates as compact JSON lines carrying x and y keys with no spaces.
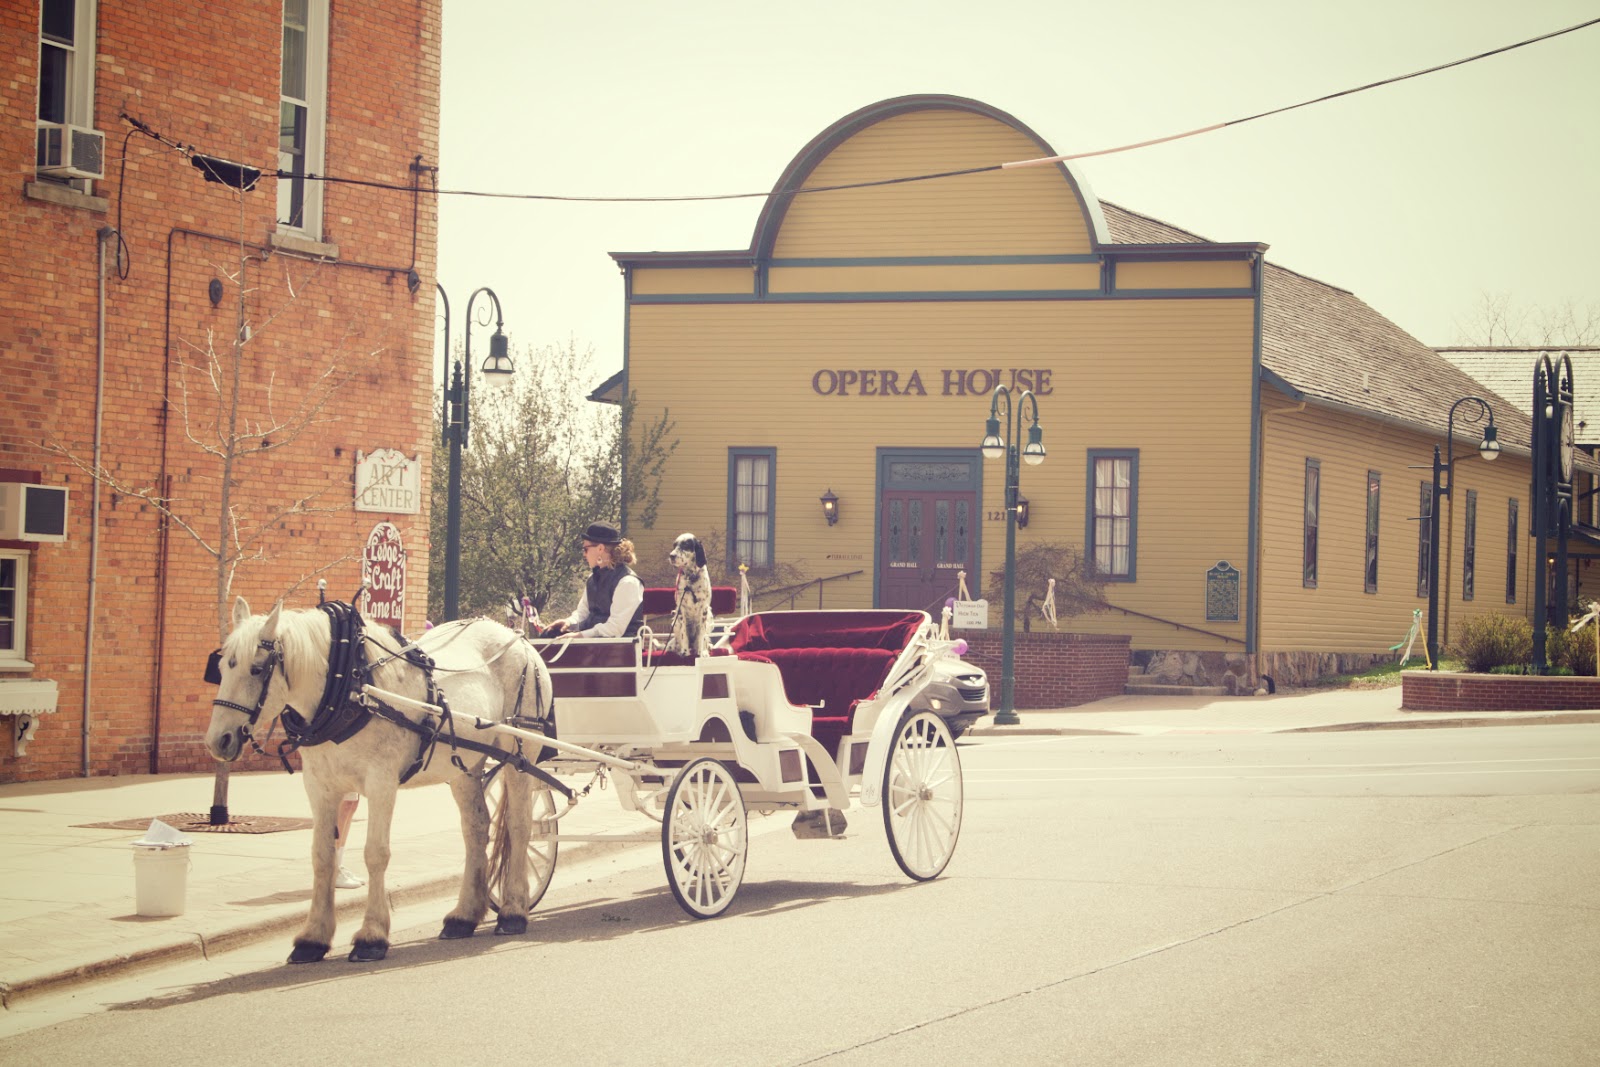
{"x":927,"y":531}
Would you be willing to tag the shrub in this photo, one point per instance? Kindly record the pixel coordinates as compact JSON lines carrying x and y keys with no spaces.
{"x":1571,"y":650}
{"x":1489,"y":641}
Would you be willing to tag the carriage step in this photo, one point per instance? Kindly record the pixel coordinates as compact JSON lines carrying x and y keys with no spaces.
{"x":824,"y":822}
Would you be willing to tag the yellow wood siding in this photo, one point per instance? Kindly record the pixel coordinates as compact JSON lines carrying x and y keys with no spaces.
{"x":1338,"y":616}
{"x":651,"y":281}
{"x":990,"y":277}
{"x":1032,"y":210}
{"x":1218,"y":275}
{"x":1169,"y":377}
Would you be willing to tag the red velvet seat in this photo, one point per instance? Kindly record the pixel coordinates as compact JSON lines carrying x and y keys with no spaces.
{"x":833,"y":659}
{"x":663,"y":600}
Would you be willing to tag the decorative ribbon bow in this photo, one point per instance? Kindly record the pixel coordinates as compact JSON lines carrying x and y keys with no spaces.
{"x":744,"y":589}
{"x":1411,"y":639}
{"x":1048,"y":608}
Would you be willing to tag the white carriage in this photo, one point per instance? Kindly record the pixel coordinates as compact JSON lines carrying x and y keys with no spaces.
{"x":802,"y":711}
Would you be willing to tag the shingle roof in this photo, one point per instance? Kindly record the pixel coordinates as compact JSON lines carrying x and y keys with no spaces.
{"x":1322,"y":343}
{"x":1509,"y":372}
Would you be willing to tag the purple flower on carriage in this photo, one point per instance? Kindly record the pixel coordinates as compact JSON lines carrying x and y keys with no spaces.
{"x":427,"y":624}
{"x":960,"y":647}
{"x":950,"y":602}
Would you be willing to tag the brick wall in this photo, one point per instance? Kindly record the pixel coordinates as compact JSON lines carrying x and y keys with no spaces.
{"x":1440,"y":691}
{"x":1054,"y":670}
{"x":208,"y":78}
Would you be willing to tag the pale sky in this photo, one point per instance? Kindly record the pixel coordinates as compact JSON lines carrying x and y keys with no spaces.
{"x":1418,"y":197}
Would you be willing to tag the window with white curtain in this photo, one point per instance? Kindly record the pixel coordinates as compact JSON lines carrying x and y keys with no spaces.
{"x":751,"y":535}
{"x":1111,"y":540}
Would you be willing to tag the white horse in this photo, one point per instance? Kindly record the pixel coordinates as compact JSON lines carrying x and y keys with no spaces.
{"x":278,"y":662}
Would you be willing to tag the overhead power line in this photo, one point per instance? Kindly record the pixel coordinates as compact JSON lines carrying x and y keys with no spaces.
{"x":1015,"y":164}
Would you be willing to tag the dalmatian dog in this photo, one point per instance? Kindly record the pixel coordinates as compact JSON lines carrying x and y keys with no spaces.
{"x":691,"y":622}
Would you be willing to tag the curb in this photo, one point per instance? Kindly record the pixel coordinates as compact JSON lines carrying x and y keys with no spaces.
{"x":203,"y":946}
{"x":1532,"y":719}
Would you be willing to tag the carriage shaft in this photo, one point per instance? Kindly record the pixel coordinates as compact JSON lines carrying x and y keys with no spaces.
{"x":561,"y":746}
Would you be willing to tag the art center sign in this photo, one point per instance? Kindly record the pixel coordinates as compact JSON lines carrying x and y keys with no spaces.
{"x":387,"y":481}
{"x":383,"y":569}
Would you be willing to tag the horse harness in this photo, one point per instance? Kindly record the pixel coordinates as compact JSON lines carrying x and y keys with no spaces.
{"x":345,"y":707}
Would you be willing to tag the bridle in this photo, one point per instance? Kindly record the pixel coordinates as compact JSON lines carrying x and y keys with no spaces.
{"x":274,"y":663}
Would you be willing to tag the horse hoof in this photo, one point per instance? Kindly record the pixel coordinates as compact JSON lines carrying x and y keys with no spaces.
{"x":456,"y":929}
{"x":307,"y":952}
{"x":511,"y":924}
{"x":369,"y":951}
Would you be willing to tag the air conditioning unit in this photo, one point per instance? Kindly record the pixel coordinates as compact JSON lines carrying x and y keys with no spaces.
{"x":68,"y":151}
{"x":30,"y":512}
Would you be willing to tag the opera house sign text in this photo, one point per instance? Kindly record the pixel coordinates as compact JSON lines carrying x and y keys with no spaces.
{"x":886,"y":382}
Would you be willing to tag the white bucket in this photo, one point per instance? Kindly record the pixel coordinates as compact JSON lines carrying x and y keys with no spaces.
{"x":160,"y":879}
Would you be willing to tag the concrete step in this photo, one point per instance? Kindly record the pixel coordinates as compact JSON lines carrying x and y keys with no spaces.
{"x":1154,"y":689}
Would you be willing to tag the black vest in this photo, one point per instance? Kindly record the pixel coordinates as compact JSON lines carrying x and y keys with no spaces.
{"x":599,"y":590}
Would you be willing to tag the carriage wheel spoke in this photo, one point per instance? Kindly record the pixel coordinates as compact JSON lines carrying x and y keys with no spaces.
{"x":922,"y":796}
{"x":704,"y":837}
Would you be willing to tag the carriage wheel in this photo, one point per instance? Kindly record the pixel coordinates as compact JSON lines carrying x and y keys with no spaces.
{"x":541,"y":850}
{"x":922,"y":795}
{"x":703,"y":838}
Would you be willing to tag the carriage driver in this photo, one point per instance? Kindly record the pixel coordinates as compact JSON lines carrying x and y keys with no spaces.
{"x":612,"y":604}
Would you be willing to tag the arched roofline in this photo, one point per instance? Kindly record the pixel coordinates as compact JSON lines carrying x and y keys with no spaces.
{"x":811,"y":156}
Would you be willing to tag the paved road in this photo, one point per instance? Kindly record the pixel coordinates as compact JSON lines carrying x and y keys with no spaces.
{"x":1406,"y":897}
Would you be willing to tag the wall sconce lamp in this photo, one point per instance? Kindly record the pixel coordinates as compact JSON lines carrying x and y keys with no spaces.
{"x":830,"y":507}
{"x":1022,"y":510}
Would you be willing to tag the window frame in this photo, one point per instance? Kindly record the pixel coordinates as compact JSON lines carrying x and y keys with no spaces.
{"x":1374,"y":527}
{"x":1310,"y":523}
{"x":735,"y":454}
{"x":1511,"y":550}
{"x":315,"y":101}
{"x":78,"y":103}
{"x":16,"y":658}
{"x":1091,"y":515}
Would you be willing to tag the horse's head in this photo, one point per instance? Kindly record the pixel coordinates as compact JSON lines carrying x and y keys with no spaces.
{"x":249,"y":673}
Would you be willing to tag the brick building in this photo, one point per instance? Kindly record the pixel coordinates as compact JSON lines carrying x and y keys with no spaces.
{"x":136,"y":279}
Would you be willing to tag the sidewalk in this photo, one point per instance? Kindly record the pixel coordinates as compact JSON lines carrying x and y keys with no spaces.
{"x":67,"y":892}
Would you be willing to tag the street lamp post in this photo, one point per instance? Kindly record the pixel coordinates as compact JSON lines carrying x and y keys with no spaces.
{"x":456,"y":426}
{"x":1443,"y":482}
{"x":994,"y":447}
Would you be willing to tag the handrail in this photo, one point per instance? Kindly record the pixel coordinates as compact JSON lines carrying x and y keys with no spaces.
{"x":1181,"y":626}
{"x":795,"y":590}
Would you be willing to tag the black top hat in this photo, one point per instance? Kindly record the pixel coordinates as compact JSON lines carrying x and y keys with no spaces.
{"x":601,"y":534}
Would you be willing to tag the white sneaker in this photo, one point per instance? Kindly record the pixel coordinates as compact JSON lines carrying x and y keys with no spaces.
{"x":345,"y":880}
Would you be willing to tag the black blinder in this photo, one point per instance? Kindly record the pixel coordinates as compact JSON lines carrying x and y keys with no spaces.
{"x":214,"y":668}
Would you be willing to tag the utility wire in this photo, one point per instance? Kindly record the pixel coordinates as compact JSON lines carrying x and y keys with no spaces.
{"x":1015,"y":164}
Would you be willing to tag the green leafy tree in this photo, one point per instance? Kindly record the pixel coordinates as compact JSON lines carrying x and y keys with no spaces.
{"x":544,"y":462}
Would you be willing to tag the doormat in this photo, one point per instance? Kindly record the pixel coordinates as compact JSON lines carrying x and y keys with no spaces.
{"x":196,"y":823}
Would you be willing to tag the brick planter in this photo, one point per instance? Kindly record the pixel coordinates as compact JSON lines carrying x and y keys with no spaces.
{"x":1053,"y":670}
{"x":1436,"y":691}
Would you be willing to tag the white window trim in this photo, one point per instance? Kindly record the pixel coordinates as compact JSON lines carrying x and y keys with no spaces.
{"x":17,"y":659}
{"x":316,"y":102}
{"x":80,"y":83}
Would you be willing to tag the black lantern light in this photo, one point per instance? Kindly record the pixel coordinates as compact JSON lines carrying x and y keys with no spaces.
{"x":830,"y":507}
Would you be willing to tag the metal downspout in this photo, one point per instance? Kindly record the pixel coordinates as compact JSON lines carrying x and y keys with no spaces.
{"x":104,"y":234}
{"x":1252,"y":614}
